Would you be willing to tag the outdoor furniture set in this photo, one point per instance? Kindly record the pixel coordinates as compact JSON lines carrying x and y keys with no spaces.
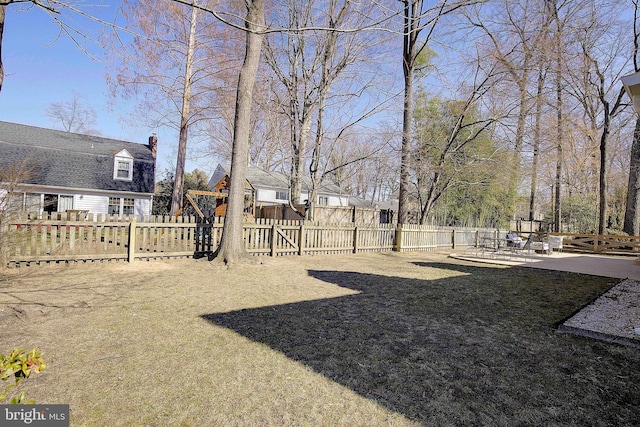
{"x":513,"y":245}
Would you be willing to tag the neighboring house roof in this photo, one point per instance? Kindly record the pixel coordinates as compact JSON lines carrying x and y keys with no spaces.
{"x":272,"y":180}
{"x":70,"y":160}
{"x":361,"y":203}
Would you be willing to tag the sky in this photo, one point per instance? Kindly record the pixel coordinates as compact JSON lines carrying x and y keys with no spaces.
{"x":42,"y":68}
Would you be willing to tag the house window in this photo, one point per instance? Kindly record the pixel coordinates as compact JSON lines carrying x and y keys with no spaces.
{"x":114,"y":206}
{"x":50,"y":203}
{"x":282,"y":195}
{"x":123,"y":166}
{"x":323,"y":200}
{"x":124,"y":169}
{"x":118,"y":206}
{"x":127,"y":206}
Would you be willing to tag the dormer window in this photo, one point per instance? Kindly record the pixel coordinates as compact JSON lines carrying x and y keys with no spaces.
{"x":123,"y":166}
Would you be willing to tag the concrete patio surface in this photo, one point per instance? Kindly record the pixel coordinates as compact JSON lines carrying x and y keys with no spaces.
{"x":615,"y":316}
{"x":596,"y":265}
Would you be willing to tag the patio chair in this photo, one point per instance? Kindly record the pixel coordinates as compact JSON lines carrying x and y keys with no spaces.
{"x":555,"y":243}
{"x":539,"y":245}
{"x":515,"y":241}
{"x":520,"y":246}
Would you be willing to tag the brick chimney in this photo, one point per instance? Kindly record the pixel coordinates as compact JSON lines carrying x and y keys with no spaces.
{"x":153,"y":145}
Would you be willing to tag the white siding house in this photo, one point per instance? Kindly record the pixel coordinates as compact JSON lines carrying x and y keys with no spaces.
{"x":272,"y":188}
{"x":59,"y":171}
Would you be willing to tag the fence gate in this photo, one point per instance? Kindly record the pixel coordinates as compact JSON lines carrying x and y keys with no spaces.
{"x":282,"y":239}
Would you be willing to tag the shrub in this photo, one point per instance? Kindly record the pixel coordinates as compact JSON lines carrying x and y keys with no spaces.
{"x":18,"y":366}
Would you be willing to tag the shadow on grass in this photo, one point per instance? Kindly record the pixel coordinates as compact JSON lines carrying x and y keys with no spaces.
{"x":478,"y":348}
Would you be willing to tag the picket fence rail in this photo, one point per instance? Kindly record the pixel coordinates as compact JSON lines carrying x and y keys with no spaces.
{"x":75,"y":237}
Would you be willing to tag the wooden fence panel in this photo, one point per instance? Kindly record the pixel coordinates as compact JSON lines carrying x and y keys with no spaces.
{"x":608,"y":244}
{"x":103,"y":237}
{"x":93,"y":238}
{"x":416,"y":238}
{"x":465,"y":238}
{"x":257,"y":238}
{"x":375,"y":239}
{"x":165,"y":238}
{"x":328,"y":239}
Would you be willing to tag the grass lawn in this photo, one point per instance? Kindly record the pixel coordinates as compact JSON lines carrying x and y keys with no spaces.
{"x":358,"y":340}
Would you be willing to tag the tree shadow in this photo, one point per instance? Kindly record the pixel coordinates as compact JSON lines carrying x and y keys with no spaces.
{"x":461,"y":268}
{"x":473,"y":349}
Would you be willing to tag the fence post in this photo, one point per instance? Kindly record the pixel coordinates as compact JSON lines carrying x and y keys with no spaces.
{"x":274,"y":233}
{"x":132,"y":242}
{"x":355,"y":239}
{"x":301,"y":240}
{"x":398,"y":247}
{"x":595,"y":243}
{"x":453,"y":239}
{"x":4,"y":246}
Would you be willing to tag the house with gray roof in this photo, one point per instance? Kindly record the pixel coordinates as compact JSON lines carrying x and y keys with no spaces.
{"x":57,"y":171}
{"x":272,"y":188}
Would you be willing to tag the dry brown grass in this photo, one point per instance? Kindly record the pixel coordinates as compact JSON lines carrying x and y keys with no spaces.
{"x":381,"y":339}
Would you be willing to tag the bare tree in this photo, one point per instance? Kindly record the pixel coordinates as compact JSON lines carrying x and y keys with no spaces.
{"x":231,"y":247}
{"x":178,"y":187}
{"x":539,"y":101}
{"x":337,"y":54}
{"x":598,"y":89}
{"x":167,"y":67}
{"x":554,"y":13}
{"x":632,"y":210}
{"x":74,"y":115}
{"x":321,"y":94}
{"x":517,"y":31}
{"x":269,"y":140}
{"x":293,"y":70}
{"x":364,"y":165}
{"x":3,"y":12}
{"x":417,"y":17}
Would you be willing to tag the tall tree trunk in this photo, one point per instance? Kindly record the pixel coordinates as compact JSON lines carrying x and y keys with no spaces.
{"x":412,"y":9}
{"x":602,"y":223}
{"x":557,"y":215}
{"x":315,"y":158}
{"x":632,"y":211}
{"x":516,"y":160}
{"x":557,"y":212}
{"x":299,"y":147}
{"x":231,"y":247}
{"x":178,"y":185}
{"x":536,"y":146}
{"x":607,"y":112}
{"x":324,"y":85}
{"x":403,"y":196}
{"x":3,"y":10}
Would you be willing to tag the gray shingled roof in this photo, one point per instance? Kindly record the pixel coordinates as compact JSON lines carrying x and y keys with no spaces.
{"x":71,"y":160}
{"x":273,"y":180}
